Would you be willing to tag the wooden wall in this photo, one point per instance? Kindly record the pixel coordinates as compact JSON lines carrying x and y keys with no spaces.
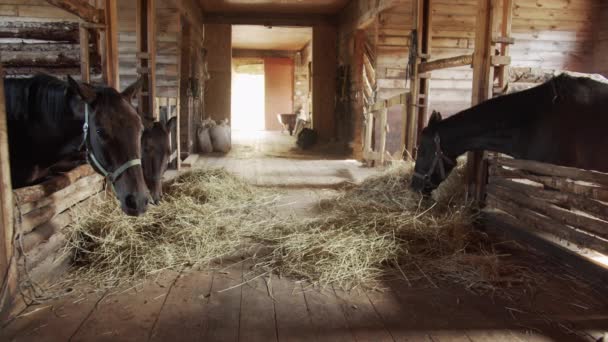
{"x":600,"y":62}
{"x":167,"y":49}
{"x":325,"y":63}
{"x":278,"y":79}
{"x":218,"y":43}
{"x":550,"y":34}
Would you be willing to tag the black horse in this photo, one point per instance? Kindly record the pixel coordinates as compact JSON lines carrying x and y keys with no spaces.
{"x":49,"y":120}
{"x":562,"y":121}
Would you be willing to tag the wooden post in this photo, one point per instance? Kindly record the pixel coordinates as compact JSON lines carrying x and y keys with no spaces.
{"x":419,"y":86}
{"x":85,"y":57}
{"x":8,"y":269}
{"x":324,"y":66}
{"x":145,"y":17}
{"x":483,"y":81}
{"x":110,"y":56}
{"x":357,"y":98}
{"x":185,"y":118}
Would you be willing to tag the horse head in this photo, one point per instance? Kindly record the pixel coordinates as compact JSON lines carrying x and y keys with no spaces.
{"x":432,"y":165}
{"x":156,"y":151}
{"x":112,"y":133}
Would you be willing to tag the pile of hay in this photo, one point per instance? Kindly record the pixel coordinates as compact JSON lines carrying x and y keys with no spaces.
{"x":380,"y":224}
{"x":199,"y":221}
{"x":350,"y":242}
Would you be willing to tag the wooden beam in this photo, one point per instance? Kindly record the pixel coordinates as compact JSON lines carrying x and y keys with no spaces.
{"x":444,"y":63}
{"x":269,"y":19}
{"x":145,"y":18}
{"x":81,"y":9}
{"x":54,"y":31}
{"x":85,"y":55}
{"x":8,"y":273}
{"x":185,"y":96}
{"x":248,"y":53}
{"x":110,"y":56}
{"x":482,"y":87}
{"x":192,"y":11}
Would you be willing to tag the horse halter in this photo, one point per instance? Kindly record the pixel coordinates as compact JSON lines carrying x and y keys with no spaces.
{"x":438,"y":161}
{"x":111,"y":176}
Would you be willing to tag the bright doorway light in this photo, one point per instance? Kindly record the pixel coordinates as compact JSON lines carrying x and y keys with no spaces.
{"x":248,"y":101}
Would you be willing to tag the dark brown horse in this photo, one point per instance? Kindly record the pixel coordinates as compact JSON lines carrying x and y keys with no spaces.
{"x":156,"y":151}
{"x":562,"y":122}
{"x":49,"y":120}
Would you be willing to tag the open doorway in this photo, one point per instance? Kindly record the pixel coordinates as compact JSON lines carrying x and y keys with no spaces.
{"x":248,"y":95}
{"x":271,"y":85}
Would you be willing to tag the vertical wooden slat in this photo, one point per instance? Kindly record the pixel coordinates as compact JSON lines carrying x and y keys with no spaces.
{"x":185,"y":119}
{"x":85,"y":59}
{"x":357,"y":98}
{"x":110,"y":60}
{"x":145,"y":18}
{"x":383,"y":131}
{"x":8,"y":275}
{"x":506,"y":26}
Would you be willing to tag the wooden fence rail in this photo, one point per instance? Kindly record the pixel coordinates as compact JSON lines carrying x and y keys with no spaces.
{"x":566,"y":202}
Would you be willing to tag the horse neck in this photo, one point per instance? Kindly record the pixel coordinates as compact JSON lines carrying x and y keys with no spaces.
{"x":494,"y":124}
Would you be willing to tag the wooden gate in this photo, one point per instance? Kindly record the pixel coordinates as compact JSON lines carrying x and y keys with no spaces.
{"x":567,"y":203}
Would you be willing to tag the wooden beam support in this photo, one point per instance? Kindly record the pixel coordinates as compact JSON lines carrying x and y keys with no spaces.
{"x":325,"y":51}
{"x":360,"y":14}
{"x":8,"y":267}
{"x":269,"y":19}
{"x":416,"y":111}
{"x":444,"y":63}
{"x":185,"y":96}
{"x":489,"y":17}
{"x":110,"y":55}
{"x":145,"y":18}
{"x":81,"y":9}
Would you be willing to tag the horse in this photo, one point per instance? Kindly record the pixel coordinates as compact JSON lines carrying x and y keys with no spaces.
{"x":155,"y":154}
{"x":49,"y":120}
{"x":561,"y":121}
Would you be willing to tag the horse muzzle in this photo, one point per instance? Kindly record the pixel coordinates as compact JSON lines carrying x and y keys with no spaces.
{"x":135,"y":204}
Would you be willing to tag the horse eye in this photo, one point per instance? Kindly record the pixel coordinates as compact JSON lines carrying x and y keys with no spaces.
{"x":101,"y":133}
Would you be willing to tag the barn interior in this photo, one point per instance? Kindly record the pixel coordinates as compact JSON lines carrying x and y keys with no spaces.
{"x":322,"y":241}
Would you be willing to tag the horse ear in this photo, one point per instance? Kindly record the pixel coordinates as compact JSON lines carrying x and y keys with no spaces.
{"x":133,"y":89}
{"x":171,"y":124}
{"x":435,"y":118}
{"x":85,"y":91}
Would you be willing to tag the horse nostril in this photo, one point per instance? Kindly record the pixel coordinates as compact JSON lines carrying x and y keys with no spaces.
{"x":131,"y":202}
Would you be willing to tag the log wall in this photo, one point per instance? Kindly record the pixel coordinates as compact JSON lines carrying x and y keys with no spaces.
{"x":560,"y":202}
{"x":38,"y":37}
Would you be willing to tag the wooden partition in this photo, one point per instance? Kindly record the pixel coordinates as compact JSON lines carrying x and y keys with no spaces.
{"x":568,"y":203}
{"x":42,"y":211}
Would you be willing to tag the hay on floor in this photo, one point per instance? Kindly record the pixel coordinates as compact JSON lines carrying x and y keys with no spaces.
{"x":354,"y":238}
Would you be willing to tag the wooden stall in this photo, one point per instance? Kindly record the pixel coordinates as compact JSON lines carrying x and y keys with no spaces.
{"x":108,"y":41}
{"x":561,"y":202}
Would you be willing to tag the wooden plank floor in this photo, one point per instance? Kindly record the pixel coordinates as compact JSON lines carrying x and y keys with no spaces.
{"x":233,"y":304}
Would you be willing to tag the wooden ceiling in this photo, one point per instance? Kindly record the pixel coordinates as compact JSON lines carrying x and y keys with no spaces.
{"x":274,"y":6}
{"x":277,"y":38}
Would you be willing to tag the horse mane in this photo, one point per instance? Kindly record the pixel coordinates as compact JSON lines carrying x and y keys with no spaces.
{"x":36,"y":98}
